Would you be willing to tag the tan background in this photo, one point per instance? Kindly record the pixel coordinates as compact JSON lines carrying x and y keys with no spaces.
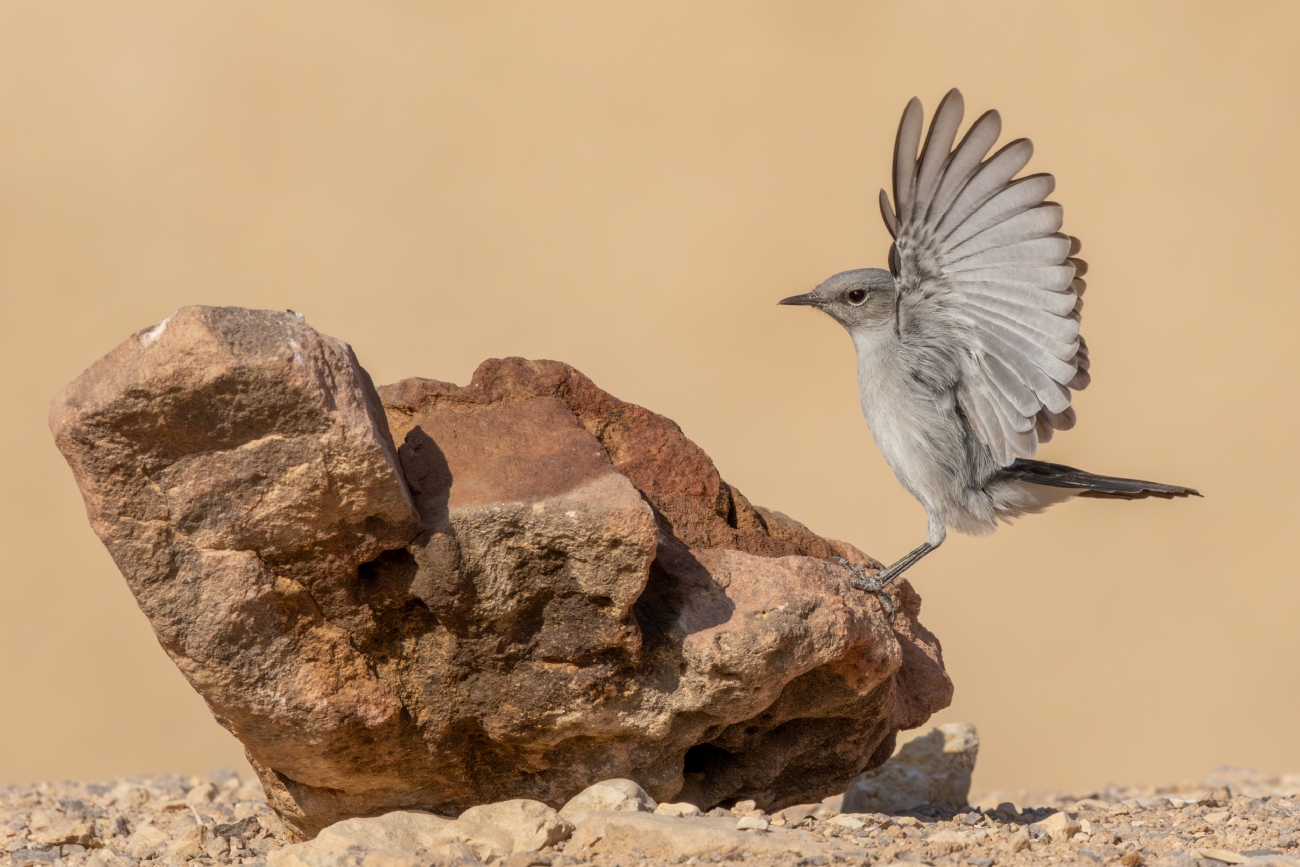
{"x":630,"y":187}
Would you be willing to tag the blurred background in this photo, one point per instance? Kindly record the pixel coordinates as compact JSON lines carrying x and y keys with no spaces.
{"x":630,"y":187}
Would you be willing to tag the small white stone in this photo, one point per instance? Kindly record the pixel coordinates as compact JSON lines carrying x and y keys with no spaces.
{"x":183,"y":849}
{"x":1058,"y":826}
{"x":1091,"y":804}
{"x":680,"y":810}
{"x":610,"y":796}
{"x":198,"y":835}
{"x":847,"y":821}
{"x":204,"y":793}
{"x":145,"y":841}
{"x":751,"y":823}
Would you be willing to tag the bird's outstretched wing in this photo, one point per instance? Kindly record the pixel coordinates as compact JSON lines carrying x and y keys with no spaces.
{"x":985,"y":276}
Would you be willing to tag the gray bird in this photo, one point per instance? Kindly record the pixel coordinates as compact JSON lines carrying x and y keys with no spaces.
{"x":968,"y":346}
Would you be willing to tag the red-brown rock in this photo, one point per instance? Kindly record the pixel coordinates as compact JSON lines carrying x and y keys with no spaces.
{"x":541,"y":587}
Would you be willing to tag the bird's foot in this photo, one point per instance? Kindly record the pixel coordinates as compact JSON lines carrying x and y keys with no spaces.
{"x":860,"y":580}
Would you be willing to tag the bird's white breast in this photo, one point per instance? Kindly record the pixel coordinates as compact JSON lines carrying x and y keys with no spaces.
{"x":909,"y":422}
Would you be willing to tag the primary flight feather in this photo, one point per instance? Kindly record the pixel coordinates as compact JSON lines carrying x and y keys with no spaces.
{"x":968,"y":346}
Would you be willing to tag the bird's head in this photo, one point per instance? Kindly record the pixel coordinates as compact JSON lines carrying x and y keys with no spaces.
{"x":856,"y":299}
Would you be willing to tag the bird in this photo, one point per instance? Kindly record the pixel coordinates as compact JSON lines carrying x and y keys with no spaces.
{"x":968,"y":345}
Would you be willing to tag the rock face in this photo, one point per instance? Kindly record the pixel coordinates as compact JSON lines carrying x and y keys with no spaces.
{"x":431,"y":597}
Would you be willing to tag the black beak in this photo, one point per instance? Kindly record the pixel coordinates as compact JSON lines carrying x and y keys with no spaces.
{"x":808,"y":299}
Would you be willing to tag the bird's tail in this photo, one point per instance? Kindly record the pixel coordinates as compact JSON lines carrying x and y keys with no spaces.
{"x":1061,"y":476}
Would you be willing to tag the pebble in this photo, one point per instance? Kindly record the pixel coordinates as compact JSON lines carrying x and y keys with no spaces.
{"x":221,"y":821}
{"x":167,"y":820}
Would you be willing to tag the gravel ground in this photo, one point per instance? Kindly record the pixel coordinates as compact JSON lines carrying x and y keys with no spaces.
{"x":1236,"y":817}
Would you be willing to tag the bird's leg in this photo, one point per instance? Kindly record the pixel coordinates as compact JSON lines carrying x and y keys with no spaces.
{"x":859,"y":579}
{"x":886,"y":576}
{"x":880,"y":580}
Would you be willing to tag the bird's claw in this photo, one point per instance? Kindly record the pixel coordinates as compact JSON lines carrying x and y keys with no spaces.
{"x":860,"y":580}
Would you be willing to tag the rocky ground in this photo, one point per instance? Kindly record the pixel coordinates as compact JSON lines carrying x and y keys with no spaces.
{"x":1234,"y":818}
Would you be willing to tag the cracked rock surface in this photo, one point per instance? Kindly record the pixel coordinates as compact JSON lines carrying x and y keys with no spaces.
{"x":427,"y":597}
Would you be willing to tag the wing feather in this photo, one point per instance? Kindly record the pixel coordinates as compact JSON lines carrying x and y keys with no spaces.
{"x":1037,"y":222}
{"x":1010,"y":418}
{"x":1018,"y":442}
{"x":1027,"y":254}
{"x":938,"y":147}
{"x":976,"y":144}
{"x":1043,"y":427}
{"x":1019,"y":195}
{"x":1042,"y":351}
{"x":1001,"y":421}
{"x":1062,"y":420}
{"x":1061,"y":331}
{"x":1022,"y":397}
{"x":980,"y":410}
{"x":1049,"y":392}
{"x":987,"y":180}
{"x":1053,"y":278}
{"x":1059,"y":303}
{"x":887,"y":214}
{"x":984,"y":272}
{"x":905,"y":144}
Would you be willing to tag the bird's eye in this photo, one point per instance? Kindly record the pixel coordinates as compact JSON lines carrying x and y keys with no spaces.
{"x":857,"y":296}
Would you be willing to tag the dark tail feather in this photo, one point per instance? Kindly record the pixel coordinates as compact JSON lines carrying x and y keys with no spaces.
{"x":1061,"y":476}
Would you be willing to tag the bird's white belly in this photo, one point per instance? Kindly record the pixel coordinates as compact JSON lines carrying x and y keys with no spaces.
{"x":914,"y":429}
{"x":898,"y":434}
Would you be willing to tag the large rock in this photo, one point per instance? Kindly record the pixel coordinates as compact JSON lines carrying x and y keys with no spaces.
{"x":538,"y":588}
